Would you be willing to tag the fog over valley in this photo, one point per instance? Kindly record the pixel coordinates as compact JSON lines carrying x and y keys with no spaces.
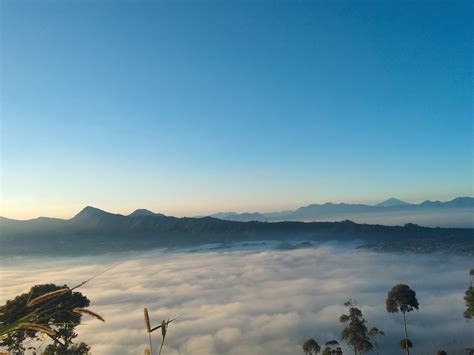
{"x":255,"y":298}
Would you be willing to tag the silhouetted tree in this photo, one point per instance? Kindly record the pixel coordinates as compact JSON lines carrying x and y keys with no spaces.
{"x":402,"y":298}
{"x":311,"y":347}
{"x":373,"y":333}
{"x":56,"y":314}
{"x":332,"y":348}
{"x":469,"y":301}
{"x":405,"y":344}
{"x":355,"y":333}
{"x":469,"y":298}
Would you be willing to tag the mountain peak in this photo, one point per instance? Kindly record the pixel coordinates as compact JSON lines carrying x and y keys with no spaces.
{"x":142,"y":212}
{"x":392,"y":202}
{"x":461,"y":202}
{"x":89,"y":211}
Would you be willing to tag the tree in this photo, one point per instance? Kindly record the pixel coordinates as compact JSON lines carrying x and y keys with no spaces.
{"x":406,"y":343}
{"x":311,"y":347}
{"x":402,"y":298}
{"x":469,"y":298}
{"x":332,"y":348}
{"x":374,"y":332}
{"x":355,"y":333}
{"x":55,"y":313}
{"x":469,"y":301}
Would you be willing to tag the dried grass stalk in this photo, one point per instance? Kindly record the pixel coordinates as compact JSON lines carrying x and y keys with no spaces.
{"x":167,"y":322}
{"x":89,"y":312}
{"x":47,"y":296}
{"x":147,"y":320}
{"x":164,"y":326}
{"x":38,"y":327}
{"x":147,"y":352}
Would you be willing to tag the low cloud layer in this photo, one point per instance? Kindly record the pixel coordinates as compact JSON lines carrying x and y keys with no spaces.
{"x":257,"y":302}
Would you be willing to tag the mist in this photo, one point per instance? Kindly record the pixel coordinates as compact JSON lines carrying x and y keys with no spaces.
{"x":256,"y":300}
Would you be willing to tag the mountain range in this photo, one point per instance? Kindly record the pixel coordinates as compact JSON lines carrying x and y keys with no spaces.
{"x":93,"y":230}
{"x":458,"y":212}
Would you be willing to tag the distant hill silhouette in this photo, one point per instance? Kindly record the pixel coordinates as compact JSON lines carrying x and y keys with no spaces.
{"x":143,"y":212}
{"x":241,"y":217}
{"x":458,"y":212}
{"x":93,"y":230}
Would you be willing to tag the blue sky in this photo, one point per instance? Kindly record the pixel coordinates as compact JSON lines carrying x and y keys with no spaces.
{"x":194,"y":107}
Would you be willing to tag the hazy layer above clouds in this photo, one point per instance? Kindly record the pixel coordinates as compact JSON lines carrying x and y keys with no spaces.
{"x":257,"y":302}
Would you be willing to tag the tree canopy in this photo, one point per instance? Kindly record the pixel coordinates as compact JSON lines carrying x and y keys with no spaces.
{"x":55,"y":313}
{"x":332,"y":348}
{"x":311,"y":347}
{"x":406,"y":344}
{"x":74,"y":349}
{"x":469,"y":301}
{"x":401,"y":298}
{"x":355,"y":333}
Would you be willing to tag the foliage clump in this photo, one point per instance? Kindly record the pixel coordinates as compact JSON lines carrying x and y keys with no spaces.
{"x":46,"y":310}
{"x":355,"y":332}
{"x":311,"y":347}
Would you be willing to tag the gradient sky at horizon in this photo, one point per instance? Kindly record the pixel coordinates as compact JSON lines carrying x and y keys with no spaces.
{"x":192,"y":107}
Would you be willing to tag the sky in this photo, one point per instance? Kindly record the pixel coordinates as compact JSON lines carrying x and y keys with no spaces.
{"x":193,"y":107}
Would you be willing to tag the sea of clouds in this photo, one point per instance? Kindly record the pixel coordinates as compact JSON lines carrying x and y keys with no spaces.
{"x":256,"y":301}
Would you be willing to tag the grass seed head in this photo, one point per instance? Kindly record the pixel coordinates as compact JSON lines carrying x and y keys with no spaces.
{"x":89,"y":312}
{"x":47,"y":296}
{"x":38,"y":327}
{"x":147,"y":320}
